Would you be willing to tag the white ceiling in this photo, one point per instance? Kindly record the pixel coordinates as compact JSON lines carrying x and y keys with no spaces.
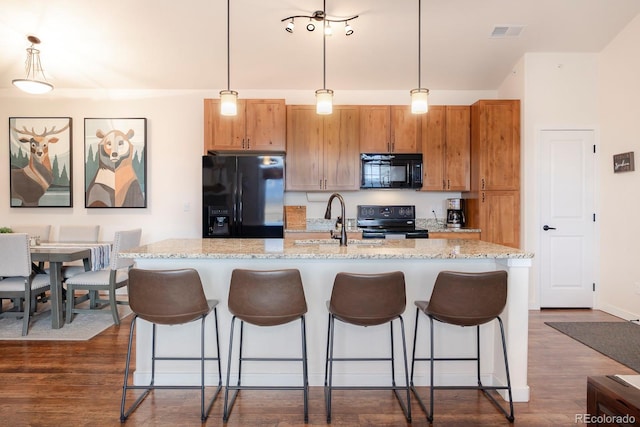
{"x":162,"y":44}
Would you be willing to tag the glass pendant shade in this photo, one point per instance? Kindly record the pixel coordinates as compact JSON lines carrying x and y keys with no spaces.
{"x":34,"y":87}
{"x":419,"y":101}
{"x":324,"y":101}
{"x":228,"y":102}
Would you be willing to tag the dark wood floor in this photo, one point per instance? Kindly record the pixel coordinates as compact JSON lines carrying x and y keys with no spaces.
{"x":79,"y":384}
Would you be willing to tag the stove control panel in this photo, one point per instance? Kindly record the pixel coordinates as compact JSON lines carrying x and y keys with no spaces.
{"x":386,"y":212}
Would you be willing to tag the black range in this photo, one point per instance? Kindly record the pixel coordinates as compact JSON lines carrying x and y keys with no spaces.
{"x":389,"y":222}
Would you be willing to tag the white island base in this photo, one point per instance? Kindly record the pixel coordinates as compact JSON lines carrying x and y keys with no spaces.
{"x":318,"y":269}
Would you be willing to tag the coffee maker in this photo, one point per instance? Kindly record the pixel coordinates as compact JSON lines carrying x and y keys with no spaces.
{"x":455,"y":213}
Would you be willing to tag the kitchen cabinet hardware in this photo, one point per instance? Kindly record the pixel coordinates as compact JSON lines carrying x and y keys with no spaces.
{"x":546,"y":228}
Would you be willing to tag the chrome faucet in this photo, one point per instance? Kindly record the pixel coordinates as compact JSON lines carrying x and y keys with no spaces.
{"x":327,"y":215}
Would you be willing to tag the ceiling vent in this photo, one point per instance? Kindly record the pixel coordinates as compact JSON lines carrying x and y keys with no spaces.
{"x":504,"y":31}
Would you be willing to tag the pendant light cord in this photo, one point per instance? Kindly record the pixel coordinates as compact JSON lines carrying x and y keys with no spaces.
{"x":228,"y":47}
{"x":324,"y":46}
{"x":419,"y":40}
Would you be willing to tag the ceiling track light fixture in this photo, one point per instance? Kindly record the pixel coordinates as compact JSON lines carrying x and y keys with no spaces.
{"x":228,"y":97}
{"x":35,"y":81}
{"x":419,"y":96}
{"x":324,"y":96}
{"x":320,"y":16}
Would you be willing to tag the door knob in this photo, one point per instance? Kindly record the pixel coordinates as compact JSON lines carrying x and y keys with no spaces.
{"x":546,"y":227}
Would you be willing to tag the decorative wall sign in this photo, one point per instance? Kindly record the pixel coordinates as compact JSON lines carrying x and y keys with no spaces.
{"x":623,"y":162}
{"x":40,"y":162}
{"x":115,"y":163}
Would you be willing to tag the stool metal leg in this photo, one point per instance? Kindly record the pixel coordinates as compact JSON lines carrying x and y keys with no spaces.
{"x":204,"y":411}
{"x":328,"y":378}
{"x":432,"y":359}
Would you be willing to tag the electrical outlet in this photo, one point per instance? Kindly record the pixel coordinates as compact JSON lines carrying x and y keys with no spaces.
{"x":186,"y":207}
{"x":637,"y":287}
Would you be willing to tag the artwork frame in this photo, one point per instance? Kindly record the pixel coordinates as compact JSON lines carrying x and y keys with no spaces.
{"x":115,"y":162}
{"x":40,"y":162}
{"x":623,"y":162}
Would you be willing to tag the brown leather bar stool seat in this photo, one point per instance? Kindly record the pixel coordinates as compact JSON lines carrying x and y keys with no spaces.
{"x":170,"y":297}
{"x":465,"y":299}
{"x":265,"y":299}
{"x":367,"y":300}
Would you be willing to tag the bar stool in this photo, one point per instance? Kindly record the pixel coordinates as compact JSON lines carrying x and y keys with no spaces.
{"x":367,"y":300}
{"x":266,"y":298}
{"x":465,"y":299}
{"x":170,"y":297}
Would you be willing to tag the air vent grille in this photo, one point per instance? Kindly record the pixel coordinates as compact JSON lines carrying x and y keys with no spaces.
{"x":504,"y":31}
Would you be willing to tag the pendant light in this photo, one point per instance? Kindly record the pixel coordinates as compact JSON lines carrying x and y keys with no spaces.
{"x":419,"y":101}
{"x":35,"y":82}
{"x":324,"y":96}
{"x":228,"y":97}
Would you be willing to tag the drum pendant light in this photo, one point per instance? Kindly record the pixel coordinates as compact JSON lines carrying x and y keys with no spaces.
{"x":419,"y":101}
{"x":228,"y":97}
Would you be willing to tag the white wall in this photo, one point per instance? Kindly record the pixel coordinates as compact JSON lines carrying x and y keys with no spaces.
{"x":619,"y":113}
{"x":174,"y":146}
{"x":559,"y":91}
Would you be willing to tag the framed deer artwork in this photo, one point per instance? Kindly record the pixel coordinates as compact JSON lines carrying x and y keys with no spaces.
{"x":40,"y":162}
{"x":115,"y":163}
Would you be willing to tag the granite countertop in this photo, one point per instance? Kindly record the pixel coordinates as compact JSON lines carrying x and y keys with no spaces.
{"x":323,"y":249}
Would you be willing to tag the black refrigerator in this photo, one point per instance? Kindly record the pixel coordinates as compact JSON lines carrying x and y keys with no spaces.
{"x":243,"y":195}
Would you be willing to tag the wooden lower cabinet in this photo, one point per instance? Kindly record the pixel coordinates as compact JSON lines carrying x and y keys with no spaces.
{"x":497,"y":215}
{"x":453,"y":235}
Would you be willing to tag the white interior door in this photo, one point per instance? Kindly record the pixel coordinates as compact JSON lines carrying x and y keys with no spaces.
{"x":567,"y":218}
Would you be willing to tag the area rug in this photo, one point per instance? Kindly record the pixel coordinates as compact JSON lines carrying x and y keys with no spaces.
{"x":619,"y":341}
{"x":83,"y":327}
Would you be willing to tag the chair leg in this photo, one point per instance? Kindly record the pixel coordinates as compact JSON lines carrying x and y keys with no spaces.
{"x":71,"y":301}
{"x":229,"y":405}
{"x":26,"y":312}
{"x":113,"y":304}
{"x":329,"y":367}
{"x":407,"y":409}
{"x":431,"y":368}
{"x":124,"y":415}
{"x":305,"y":372}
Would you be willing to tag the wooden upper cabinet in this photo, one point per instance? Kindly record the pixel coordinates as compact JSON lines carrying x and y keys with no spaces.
{"x":322,"y":151}
{"x":305,"y":136}
{"x":495,"y":145}
{"x":446,"y":133}
{"x":457,"y":157}
{"x":342,"y":148}
{"x":389,"y":129}
{"x":433,"y":149}
{"x":260,"y":125}
{"x":405,"y":130}
{"x":375,"y":129}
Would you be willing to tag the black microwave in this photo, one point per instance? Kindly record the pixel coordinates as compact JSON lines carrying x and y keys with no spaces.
{"x":385,"y":170}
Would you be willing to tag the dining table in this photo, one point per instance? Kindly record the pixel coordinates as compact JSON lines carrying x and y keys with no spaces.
{"x":94,"y":256}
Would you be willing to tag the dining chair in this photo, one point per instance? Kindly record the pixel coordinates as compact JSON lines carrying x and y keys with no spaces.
{"x":76,"y":234}
{"x":18,"y":280}
{"x":107,"y":280}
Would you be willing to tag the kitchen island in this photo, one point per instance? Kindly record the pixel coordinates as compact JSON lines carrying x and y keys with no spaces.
{"x":318,"y":261}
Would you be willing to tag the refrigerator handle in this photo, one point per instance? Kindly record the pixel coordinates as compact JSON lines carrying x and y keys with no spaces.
{"x":240,"y":199}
